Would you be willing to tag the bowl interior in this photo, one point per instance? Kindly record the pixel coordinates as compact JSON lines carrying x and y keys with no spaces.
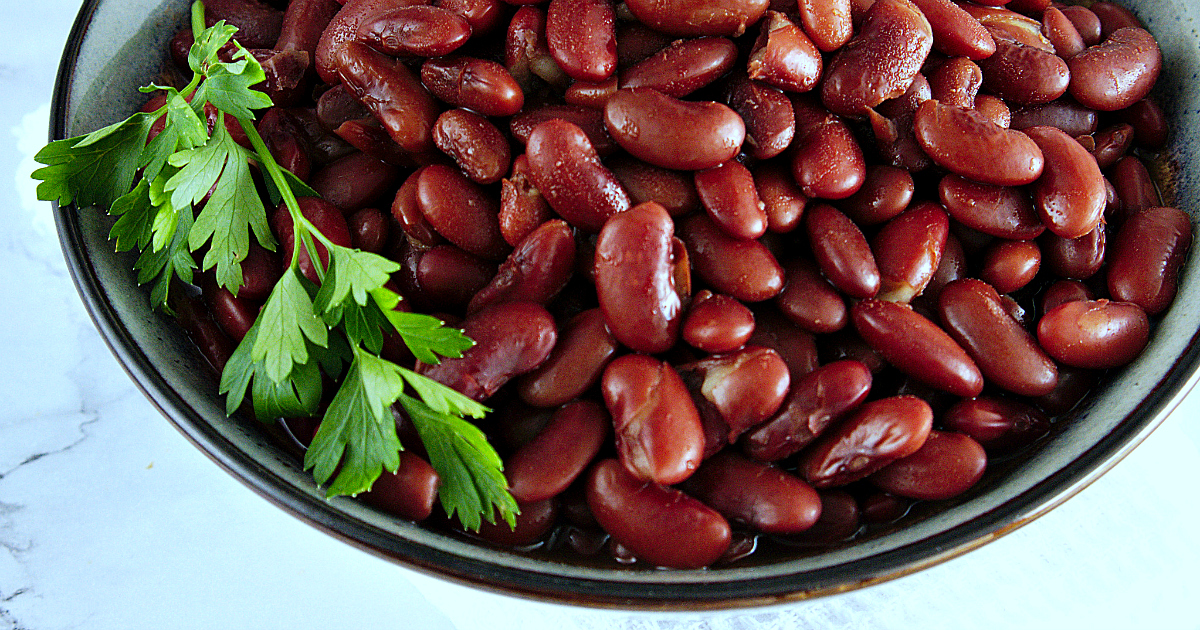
{"x":120,"y":45}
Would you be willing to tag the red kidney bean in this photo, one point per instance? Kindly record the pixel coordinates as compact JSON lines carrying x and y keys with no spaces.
{"x":1006,"y":354}
{"x":635,"y":284}
{"x":1063,"y":291}
{"x":392,"y":94}
{"x":1133,"y":184}
{"x":637,"y":42}
{"x":303,"y":23}
{"x":522,"y":207}
{"x":574,"y":365}
{"x":1070,"y":195}
{"x":1112,"y":143}
{"x":952,"y":267}
{"x":560,"y":452}
{"x":882,"y":507}
{"x":526,"y":55}
{"x":668,"y":132}
{"x":744,"y":269}
{"x":581,"y":38}
{"x":659,"y":435}
{"x":568,"y":173}
{"x":956,"y":82}
{"x":994,"y":110}
{"x":885,"y":193}
{"x":354,"y":181}
{"x":260,"y":271}
{"x":814,"y":403}
{"x":717,"y":323}
{"x":783,"y":56}
{"x":1118,"y":72}
{"x":406,"y":209}
{"x":533,"y":522}
{"x":839,"y":521}
{"x":809,"y":301}
{"x":593,"y":94}
{"x":644,"y":182}
{"x":477,"y":84}
{"x":475,"y":144}
{"x":409,"y":492}
{"x":484,"y":16}
{"x":698,"y":17}
{"x":1072,"y":118}
{"x":1078,"y":258}
{"x":908,"y":250}
{"x":1147,"y":257}
{"x":959,"y":139}
{"x":997,"y":424}
{"x":1023,"y":74}
{"x":682,"y":67}
{"x":1149,"y":123}
{"x":1010,"y":265}
{"x":945,"y":466}
{"x":1073,"y":385}
{"x":419,"y":30}
{"x":841,"y":251}
{"x":916,"y":346}
{"x":826,"y":159}
{"x":326,"y":217}
{"x":880,"y":61}
{"x":233,"y":314}
{"x":368,"y":229}
{"x":878,"y":433}
{"x":461,"y":211}
{"x":449,"y":277}
{"x":511,"y":338}
{"x":1001,"y":22}
{"x":797,"y":347}
{"x":827,"y":22}
{"x":591,"y":121}
{"x":258,"y":24}
{"x":1094,"y":334}
{"x":1000,"y":211}
{"x":956,"y":33}
{"x":746,"y":386}
{"x":536,"y":270}
{"x":1114,"y":17}
{"x":1085,"y":22}
{"x":343,"y":28}
{"x":767,"y":114}
{"x":728,"y":194}
{"x":760,"y":495}
{"x":1062,"y":33}
{"x":782,"y":199}
{"x":660,"y":525}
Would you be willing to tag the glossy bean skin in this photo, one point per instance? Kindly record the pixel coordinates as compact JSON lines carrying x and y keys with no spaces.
{"x":535,"y":271}
{"x":582,"y":38}
{"x":567,"y":171}
{"x":1112,"y":143}
{"x":368,"y":229}
{"x":409,"y":492}
{"x":956,"y":82}
{"x":1118,"y":72}
{"x":767,"y":114}
{"x":450,"y":277}
{"x":533,"y":522}
{"x":1062,"y":33}
{"x":760,"y":495}
{"x":1010,"y":265}
{"x":406,"y":210}
{"x":1070,"y":195}
{"x":522,"y":206}
{"x":728,"y":193}
{"x":583,"y":350}
{"x":659,"y":437}
{"x":303,"y":23}
{"x":1007,"y":355}
{"x":827,"y":22}
{"x":475,"y":144}
{"x":814,"y":403}
{"x":826,"y":160}
{"x":481,"y":85}
{"x":511,"y":338}
{"x":809,"y":301}
{"x":783,"y":56}
{"x":958,"y":139}
{"x":591,"y":121}
{"x":878,"y":433}
{"x":683,"y":67}
{"x":879,"y":62}
{"x":797,"y":347}
{"x":343,"y":28}
{"x":999,"y":425}
{"x":956,"y":33}
{"x":326,"y":217}
{"x":484,"y":16}
{"x":1149,"y":123}
{"x":746,"y":386}
{"x":1072,"y":118}
{"x":461,"y":211}
{"x":698,"y":17}
{"x":353,"y":181}
{"x":421,"y":30}
{"x":560,"y":452}
{"x":1023,"y":74}
{"x":660,"y":525}
{"x":1147,"y":257}
{"x":392,"y":93}
{"x":635,"y":283}
{"x":744,"y":269}
{"x":675,"y":134}
{"x":1134,"y":186}
{"x":1078,"y":258}
{"x":1085,"y":22}
{"x":261,"y":269}
{"x":782,"y":199}
{"x":916,"y":346}
{"x":1000,"y":211}
{"x":675,"y":190}
{"x":885,"y":193}
{"x":1094,"y":334}
{"x":945,"y":466}
{"x":841,"y":251}
{"x":908,"y":250}
{"x":717,"y":323}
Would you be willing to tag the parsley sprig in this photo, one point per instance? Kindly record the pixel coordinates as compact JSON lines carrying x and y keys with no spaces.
{"x":189,"y":188}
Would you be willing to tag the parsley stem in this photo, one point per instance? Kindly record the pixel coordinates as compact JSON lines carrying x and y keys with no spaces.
{"x":197,"y":18}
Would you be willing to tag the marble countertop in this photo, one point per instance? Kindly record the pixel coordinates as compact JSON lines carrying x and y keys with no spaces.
{"x":109,"y":518}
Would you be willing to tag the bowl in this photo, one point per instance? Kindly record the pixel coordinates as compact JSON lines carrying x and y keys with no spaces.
{"x":118,"y":45}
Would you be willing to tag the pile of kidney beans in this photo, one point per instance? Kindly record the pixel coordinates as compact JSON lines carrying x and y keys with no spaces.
{"x":739,"y":271}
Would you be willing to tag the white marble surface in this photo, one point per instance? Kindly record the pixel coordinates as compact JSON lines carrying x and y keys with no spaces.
{"x":110,"y":519}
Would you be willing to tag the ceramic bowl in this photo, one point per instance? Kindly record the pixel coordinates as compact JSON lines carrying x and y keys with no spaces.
{"x":117,"y":45}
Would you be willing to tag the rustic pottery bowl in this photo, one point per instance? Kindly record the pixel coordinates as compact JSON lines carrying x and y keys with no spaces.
{"x":117,"y":45}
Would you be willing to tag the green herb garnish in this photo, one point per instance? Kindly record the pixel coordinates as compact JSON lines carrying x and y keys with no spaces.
{"x":153,"y":189}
